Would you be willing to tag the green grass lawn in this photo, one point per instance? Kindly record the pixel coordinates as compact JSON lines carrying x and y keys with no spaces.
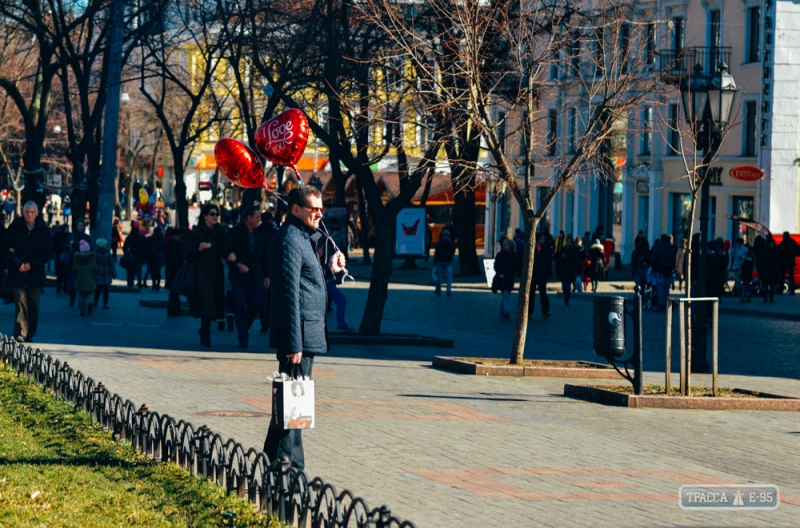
{"x":58,"y":470}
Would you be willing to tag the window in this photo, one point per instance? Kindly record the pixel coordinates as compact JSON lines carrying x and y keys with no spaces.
{"x":647,"y":129}
{"x":574,"y":56}
{"x":624,"y":46}
{"x":572,"y":129}
{"x":552,"y":131}
{"x":674,"y":132}
{"x":750,"y":120}
{"x":650,"y":43}
{"x":681,"y":214}
{"x":752,"y":52}
{"x":677,"y":33}
{"x":743,"y":206}
{"x":554,"y":65}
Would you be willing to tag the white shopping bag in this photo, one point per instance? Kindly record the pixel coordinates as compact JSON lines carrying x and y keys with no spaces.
{"x":293,"y":404}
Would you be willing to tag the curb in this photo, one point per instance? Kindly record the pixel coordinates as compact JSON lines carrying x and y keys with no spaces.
{"x":772,"y":402}
{"x":591,"y":370}
{"x":351,"y":338}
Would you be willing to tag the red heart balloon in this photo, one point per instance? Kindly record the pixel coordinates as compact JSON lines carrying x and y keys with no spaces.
{"x":282,"y":139}
{"x":238,"y":163}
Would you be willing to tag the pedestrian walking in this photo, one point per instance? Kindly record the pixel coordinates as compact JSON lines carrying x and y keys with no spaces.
{"x":768,"y":263}
{"x":204,"y":249}
{"x":298,"y":329}
{"x":63,"y":257}
{"x":27,"y":249}
{"x":78,"y":236}
{"x":745,"y":277}
{"x":116,"y":237}
{"x":568,"y":267}
{"x":267,"y":231}
{"x":542,"y":270}
{"x":505,"y":269}
{"x":173,"y":262}
{"x":597,"y":264}
{"x":662,"y":262}
{"x":106,"y":272}
{"x":680,"y":262}
{"x":156,"y":246}
{"x":85,"y":267}
{"x":788,"y":251}
{"x":443,"y":261}
{"x":737,"y":256}
{"x":134,"y":252}
{"x":244,"y":251}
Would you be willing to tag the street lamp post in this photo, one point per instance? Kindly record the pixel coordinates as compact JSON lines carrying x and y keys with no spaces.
{"x":707,"y":103}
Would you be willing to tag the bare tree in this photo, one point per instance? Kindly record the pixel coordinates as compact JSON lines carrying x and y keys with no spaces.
{"x":362,"y":125}
{"x":514,"y":68}
{"x":28,"y":29}
{"x":177,"y":70}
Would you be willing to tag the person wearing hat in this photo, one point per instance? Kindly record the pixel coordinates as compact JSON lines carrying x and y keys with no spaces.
{"x":106,"y":271}
{"x":85,"y":266}
{"x":443,"y":260}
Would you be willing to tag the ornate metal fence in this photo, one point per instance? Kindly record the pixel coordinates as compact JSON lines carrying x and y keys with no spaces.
{"x":287,"y":493}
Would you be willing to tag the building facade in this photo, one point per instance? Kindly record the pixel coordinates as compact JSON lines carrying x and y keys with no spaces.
{"x":759,"y":41}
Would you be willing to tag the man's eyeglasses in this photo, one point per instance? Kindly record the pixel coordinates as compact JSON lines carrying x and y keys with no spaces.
{"x":314,"y":210}
{"x":213,"y":213}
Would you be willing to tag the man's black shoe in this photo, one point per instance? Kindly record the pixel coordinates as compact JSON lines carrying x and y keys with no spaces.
{"x":242,"y":344}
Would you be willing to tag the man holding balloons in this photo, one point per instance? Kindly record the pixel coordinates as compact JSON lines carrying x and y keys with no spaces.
{"x":298,"y":329}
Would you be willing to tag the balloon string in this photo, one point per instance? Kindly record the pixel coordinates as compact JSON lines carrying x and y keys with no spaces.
{"x":324,"y":230}
{"x":297,"y":173}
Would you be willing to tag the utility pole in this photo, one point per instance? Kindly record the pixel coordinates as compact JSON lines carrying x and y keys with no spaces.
{"x":108,"y":169}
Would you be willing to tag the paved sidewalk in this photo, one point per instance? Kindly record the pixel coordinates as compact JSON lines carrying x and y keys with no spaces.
{"x":448,"y":450}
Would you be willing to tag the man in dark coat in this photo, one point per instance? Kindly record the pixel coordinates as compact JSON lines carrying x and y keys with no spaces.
{"x":266,"y":230}
{"x":173,"y":259}
{"x":27,"y":252}
{"x":298,"y":329}
{"x":788,"y":249}
{"x":244,"y":251}
{"x":443,"y":261}
{"x":136,"y":243}
{"x":542,"y":268}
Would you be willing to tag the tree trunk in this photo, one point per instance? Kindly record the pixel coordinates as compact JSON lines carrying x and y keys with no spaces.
{"x":363,"y":215}
{"x":181,"y":205}
{"x":464,"y":218}
{"x":379,"y":281}
{"x":523,"y":301}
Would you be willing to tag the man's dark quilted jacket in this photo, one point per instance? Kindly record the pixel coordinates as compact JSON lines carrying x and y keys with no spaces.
{"x":297,"y":314}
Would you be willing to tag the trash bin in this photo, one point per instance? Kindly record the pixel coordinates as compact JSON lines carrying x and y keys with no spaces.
{"x":609,"y":327}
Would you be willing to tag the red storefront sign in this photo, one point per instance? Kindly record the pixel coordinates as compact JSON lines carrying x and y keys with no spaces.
{"x":745,"y":173}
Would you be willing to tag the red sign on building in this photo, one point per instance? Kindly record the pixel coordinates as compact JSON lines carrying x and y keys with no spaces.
{"x":745,"y":173}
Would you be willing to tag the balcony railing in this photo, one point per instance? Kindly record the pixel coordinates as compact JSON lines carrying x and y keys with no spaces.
{"x":677,"y":63}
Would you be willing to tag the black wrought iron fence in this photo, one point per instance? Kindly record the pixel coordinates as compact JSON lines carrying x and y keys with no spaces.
{"x":274,"y":487}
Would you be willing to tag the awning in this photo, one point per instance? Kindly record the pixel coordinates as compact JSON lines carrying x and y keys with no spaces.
{"x":752,"y":224}
{"x":206,"y":163}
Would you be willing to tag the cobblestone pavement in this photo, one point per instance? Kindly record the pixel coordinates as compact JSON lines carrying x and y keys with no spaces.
{"x":447,"y":450}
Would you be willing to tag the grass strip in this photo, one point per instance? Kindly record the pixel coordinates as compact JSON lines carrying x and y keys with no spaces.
{"x":56,"y":469}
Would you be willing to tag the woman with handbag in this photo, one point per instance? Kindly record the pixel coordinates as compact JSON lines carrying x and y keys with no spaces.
{"x":204,"y":251}
{"x":505,"y":276}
